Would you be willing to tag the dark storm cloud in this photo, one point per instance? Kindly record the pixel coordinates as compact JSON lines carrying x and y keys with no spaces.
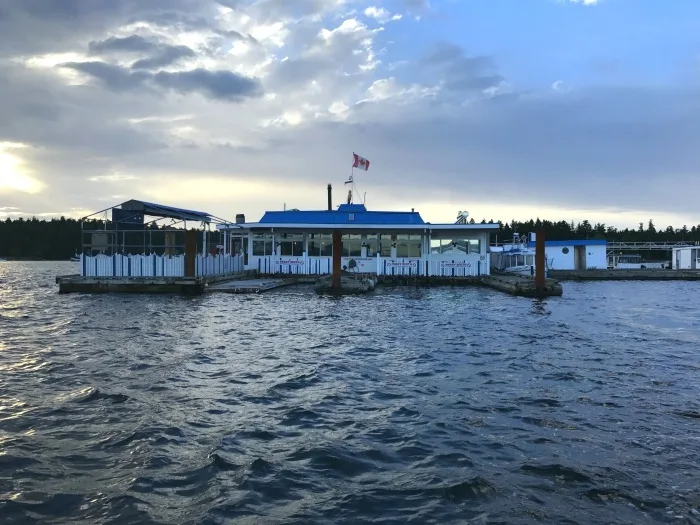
{"x":129,"y":44}
{"x":41,"y":26}
{"x":220,"y":85}
{"x":161,"y":54}
{"x":169,"y":55}
{"x":114,"y":77}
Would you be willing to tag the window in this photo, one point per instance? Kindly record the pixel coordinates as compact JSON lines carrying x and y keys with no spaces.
{"x":385,"y":242}
{"x":408,"y":245}
{"x":372,"y":243}
{"x":457,"y":246}
{"x":352,"y":245}
{"x":262,"y":244}
{"x":565,"y":250}
{"x":320,"y":245}
{"x":291,"y":244}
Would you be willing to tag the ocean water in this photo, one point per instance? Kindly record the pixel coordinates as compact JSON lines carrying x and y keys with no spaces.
{"x":445,"y":406}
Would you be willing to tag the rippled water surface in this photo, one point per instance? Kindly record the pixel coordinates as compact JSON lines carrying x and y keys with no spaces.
{"x":408,"y":406}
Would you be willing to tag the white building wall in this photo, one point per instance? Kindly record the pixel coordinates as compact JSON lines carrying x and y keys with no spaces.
{"x":682,"y":258}
{"x":596,"y":257}
{"x":559,"y":259}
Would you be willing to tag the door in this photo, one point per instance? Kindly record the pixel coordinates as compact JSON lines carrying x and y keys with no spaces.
{"x":579,"y":257}
{"x":694,"y":258}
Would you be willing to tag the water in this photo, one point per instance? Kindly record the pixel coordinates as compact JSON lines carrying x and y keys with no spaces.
{"x":409,"y":406}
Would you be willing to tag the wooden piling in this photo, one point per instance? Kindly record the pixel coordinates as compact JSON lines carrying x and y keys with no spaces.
{"x":337,"y":254}
{"x":540,"y":262}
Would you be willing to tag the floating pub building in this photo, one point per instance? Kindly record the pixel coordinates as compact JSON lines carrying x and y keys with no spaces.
{"x":299,"y":242}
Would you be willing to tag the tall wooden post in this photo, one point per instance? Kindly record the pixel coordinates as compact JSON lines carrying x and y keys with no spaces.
{"x":540,"y":263}
{"x":337,"y":254}
{"x":190,"y":252}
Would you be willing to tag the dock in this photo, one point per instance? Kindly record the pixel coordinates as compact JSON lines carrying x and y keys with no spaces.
{"x":249,"y":282}
{"x":140,"y":285}
{"x":522,"y":286}
{"x":649,"y":274}
{"x":250,"y":286}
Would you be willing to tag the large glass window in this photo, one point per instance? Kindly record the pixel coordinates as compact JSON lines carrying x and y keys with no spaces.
{"x":262,"y":244}
{"x":352,"y":245}
{"x":320,"y":245}
{"x":291,"y":244}
{"x":372,"y":243}
{"x":456,"y":246}
{"x":408,"y":245}
{"x":385,"y":242}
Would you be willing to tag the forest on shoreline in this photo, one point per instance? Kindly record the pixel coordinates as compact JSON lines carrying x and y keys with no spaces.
{"x":59,"y":239}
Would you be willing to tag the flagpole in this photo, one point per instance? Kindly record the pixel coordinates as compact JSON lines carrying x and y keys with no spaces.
{"x":352,"y":183}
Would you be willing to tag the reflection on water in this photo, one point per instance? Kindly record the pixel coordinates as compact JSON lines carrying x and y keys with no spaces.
{"x":407,"y":406}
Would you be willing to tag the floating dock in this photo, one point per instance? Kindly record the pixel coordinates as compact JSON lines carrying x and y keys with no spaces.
{"x":154,"y":285}
{"x":522,"y":286}
{"x":247,"y":286}
{"x":649,"y":274}
{"x":249,"y":282}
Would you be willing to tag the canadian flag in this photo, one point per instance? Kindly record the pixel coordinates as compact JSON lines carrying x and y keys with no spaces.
{"x":360,"y":162}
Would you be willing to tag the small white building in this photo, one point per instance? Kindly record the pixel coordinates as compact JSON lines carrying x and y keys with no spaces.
{"x":588,"y":254}
{"x":686,"y":258}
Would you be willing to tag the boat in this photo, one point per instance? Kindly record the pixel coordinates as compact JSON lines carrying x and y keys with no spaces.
{"x":633,"y":262}
{"x":516,"y":258}
{"x":75,"y":258}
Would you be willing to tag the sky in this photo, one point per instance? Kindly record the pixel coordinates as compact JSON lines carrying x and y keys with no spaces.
{"x":508,"y":109}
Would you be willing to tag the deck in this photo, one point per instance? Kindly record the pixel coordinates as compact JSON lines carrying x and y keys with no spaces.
{"x":650,"y":274}
{"x":247,"y":286}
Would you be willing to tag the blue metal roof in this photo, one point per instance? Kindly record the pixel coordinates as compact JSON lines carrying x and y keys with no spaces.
{"x":577,"y":242}
{"x":345,"y":214}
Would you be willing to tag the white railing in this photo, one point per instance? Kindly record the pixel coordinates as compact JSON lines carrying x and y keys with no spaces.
{"x":156,"y":265}
{"x":467,"y":266}
{"x":218,"y":264}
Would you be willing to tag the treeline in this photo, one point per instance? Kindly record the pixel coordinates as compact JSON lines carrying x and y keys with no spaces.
{"x":564,"y":231}
{"x":59,"y":239}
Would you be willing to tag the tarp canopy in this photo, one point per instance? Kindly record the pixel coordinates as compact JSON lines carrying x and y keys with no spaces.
{"x":160,"y":210}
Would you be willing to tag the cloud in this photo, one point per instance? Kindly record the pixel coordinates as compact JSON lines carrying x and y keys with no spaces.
{"x":260,"y":102}
{"x":131,"y":43}
{"x":380,"y":14}
{"x":221,"y":85}
{"x":159,"y":53}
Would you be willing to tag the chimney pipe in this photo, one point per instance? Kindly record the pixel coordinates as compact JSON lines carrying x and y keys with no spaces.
{"x":330,"y":198}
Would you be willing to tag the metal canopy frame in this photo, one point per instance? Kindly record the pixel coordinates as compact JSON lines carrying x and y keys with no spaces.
{"x":155,"y":212}
{"x":161,"y":211}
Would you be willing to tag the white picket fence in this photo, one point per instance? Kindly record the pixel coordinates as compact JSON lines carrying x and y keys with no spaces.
{"x":470,"y":266}
{"x":218,"y":264}
{"x":156,"y":265}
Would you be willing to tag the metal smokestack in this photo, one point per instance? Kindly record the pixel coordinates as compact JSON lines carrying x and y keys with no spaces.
{"x":330,"y":198}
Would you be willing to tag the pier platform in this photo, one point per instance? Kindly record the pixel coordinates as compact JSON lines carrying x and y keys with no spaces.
{"x":522,"y":286}
{"x":155,"y":285}
{"x":250,"y":285}
{"x":649,"y":274}
{"x":249,"y":282}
